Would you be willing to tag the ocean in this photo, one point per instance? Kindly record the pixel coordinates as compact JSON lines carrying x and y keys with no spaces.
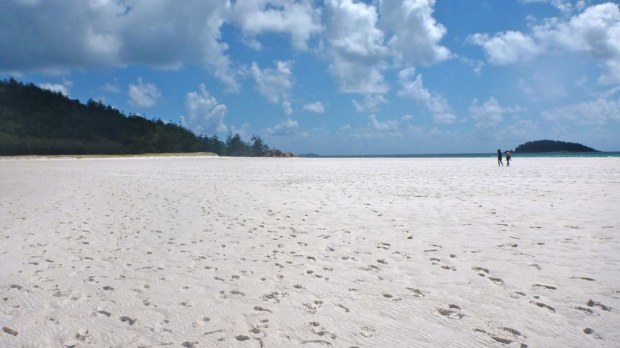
{"x":478,"y":155}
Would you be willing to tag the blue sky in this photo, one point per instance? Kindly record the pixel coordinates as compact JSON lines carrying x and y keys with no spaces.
{"x":335,"y":76}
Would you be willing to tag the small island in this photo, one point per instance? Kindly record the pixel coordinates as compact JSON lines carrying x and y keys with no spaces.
{"x":539,"y":146}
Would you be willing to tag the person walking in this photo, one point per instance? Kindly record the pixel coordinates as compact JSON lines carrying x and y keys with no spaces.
{"x":499,"y":158}
{"x":508,"y":158}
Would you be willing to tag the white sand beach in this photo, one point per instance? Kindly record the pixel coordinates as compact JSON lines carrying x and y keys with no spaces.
{"x":241,"y":252}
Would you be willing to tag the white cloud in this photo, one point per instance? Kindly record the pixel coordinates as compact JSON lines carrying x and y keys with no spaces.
{"x":296,"y":18}
{"x":65,"y":35}
{"x":593,"y":113}
{"x":594,"y":32}
{"x":288,"y":126}
{"x":491,"y":113}
{"x":414,"y":89}
{"x":204,"y":114}
{"x":62,"y":88}
{"x":273,"y":84}
{"x":111,"y":87}
{"x":363,"y":38}
{"x":244,"y":131}
{"x":356,"y":46}
{"x":521,"y":131}
{"x":413,"y":32}
{"x":546,"y":83}
{"x":508,"y":47}
{"x":386,"y":126}
{"x":565,"y":6}
{"x":143,"y":94}
{"x":287,"y":108}
{"x":370,"y":103}
{"x":315,"y":107}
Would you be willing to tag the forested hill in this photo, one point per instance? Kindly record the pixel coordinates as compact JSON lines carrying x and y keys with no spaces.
{"x":34,"y":121}
{"x":552,"y":146}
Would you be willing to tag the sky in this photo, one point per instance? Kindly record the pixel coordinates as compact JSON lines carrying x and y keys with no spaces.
{"x":335,"y":77}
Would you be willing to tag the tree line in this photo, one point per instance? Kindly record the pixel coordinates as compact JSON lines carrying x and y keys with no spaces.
{"x":36,"y":121}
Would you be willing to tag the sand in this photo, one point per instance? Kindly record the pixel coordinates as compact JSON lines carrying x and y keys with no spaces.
{"x":230,"y":252}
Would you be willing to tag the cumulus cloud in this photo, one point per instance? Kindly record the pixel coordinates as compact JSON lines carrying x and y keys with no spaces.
{"x":413,"y":33}
{"x":594,"y":32}
{"x":295,"y":18}
{"x":385,"y":126}
{"x":507,"y":47}
{"x":361,"y":39}
{"x":365,"y":38}
{"x":205,"y":115}
{"x":143,"y":94}
{"x":593,"y":113}
{"x":412,"y":87}
{"x":287,"y":126}
{"x":356,"y":46}
{"x":565,"y":6}
{"x":273,"y":84}
{"x":490,"y":113}
{"x":370,"y":103}
{"x":315,"y":107}
{"x":64,"y":35}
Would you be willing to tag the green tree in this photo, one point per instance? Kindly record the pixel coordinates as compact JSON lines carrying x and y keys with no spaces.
{"x":259,"y":148}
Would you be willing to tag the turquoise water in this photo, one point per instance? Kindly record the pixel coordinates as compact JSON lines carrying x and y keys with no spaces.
{"x":484,"y":155}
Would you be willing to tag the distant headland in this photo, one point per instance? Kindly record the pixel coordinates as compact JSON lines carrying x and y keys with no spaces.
{"x":539,"y":146}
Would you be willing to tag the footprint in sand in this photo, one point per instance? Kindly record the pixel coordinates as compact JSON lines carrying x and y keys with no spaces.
{"x":261,"y":309}
{"x":367,"y":331}
{"x":453,"y":312}
{"x":128,"y":320}
{"x":591,"y":303}
{"x":9,"y":331}
{"x":542,"y":305}
{"x":481,"y":270}
{"x":416,"y":292}
{"x":273,"y":296}
{"x":545,"y":286}
{"x":587,"y":310}
{"x":502,"y":340}
{"x":107,"y":314}
{"x":343,"y":307}
{"x":312,"y":307}
{"x":497,"y":281}
{"x":317,"y":329}
{"x":584,"y":278}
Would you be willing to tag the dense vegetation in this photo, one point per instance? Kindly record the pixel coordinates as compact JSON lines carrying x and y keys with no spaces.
{"x":552,"y":146}
{"x":34,"y":121}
